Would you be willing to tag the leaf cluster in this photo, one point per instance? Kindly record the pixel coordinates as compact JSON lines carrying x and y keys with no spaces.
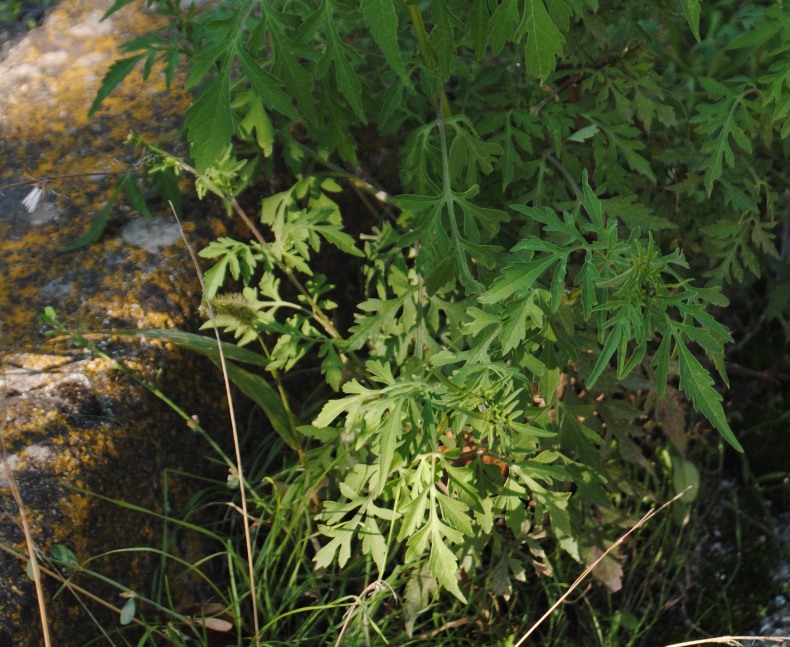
{"x":573,"y":194}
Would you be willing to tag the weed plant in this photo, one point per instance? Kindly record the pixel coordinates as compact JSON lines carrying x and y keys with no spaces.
{"x":551,"y":198}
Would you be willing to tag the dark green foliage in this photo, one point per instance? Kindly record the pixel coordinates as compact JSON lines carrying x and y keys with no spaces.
{"x":577,"y":182}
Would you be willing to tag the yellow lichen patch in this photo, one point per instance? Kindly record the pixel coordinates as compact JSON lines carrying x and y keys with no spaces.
{"x":52,"y":76}
{"x":47,"y":84}
{"x":71,"y":420}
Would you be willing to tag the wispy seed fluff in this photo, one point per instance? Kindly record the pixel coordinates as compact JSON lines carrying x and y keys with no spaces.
{"x":31,"y":199}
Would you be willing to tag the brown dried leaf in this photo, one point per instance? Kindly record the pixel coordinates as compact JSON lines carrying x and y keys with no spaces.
{"x":608,"y":571}
{"x":671,"y":415}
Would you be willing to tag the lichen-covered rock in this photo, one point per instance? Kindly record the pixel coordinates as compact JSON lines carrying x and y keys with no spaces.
{"x":72,"y":421}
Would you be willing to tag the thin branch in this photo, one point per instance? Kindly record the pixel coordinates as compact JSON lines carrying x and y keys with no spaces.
{"x":48,"y":179}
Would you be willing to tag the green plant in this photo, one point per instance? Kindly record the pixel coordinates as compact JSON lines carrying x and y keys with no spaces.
{"x":11,"y":11}
{"x":517,"y":314}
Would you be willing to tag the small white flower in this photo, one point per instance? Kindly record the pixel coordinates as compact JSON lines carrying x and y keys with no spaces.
{"x":31,"y":200}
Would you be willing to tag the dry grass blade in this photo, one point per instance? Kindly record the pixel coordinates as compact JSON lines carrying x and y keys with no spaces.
{"x":31,"y":546}
{"x":236,"y":443}
{"x":589,"y":569}
{"x":371,"y":588}
{"x":730,"y":640}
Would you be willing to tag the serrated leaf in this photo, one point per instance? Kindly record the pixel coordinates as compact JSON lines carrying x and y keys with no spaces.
{"x":501,"y":24}
{"x":626,"y":140}
{"x":346,"y":78}
{"x":455,"y":513}
{"x":516,"y":278}
{"x":370,"y":325}
{"x":441,"y":36}
{"x":557,"y":287}
{"x":331,"y":410}
{"x":444,"y":566}
{"x":624,"y":367}
{"x":697,"y":384}
{"x":416,"y":543}
{"x":477,"y":24}
{"x":514,"y":327}
{"x":417,"y":596}
{"x":469,"y":151}
{"x":209,"y":124}
{"x":373,"y":544}
{"x":414,"y":516}
{"x":340,"y":239}
{"x":257,"y":123}
{"x":544,"y":40}
{"x":381,"y":17}
{"x":592,"y":204}
{"x":719,"y":122}
{"x":118,"y":72}
{"x":266,"y":86}
{"x":519,"y":129}
{"x":205,"y":61}
{"x":298,"y":80}
{"x":440,"y":275}
{"x":714,"y":88}
{"x":612,"y":342}
{"x":389,"y":439}
{"x":332,"y":367}
{"x":635,"y":213}
{"x":326,"y":555}
{"x":762,"y":33}
{"x":691,"y":10}
{"x":118,"y":4}
{"x":583,"y":134}
{"x":531,"y":430}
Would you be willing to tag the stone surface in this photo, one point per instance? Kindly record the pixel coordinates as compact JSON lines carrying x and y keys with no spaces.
{"x":73,"y":422}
